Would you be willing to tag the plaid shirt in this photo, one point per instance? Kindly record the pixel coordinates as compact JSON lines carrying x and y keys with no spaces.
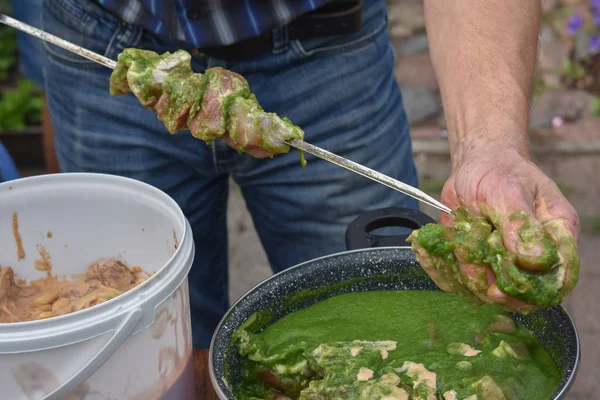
{"x":209,"y":23}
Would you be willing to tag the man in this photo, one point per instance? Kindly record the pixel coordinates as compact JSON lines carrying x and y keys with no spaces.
{"x":31,"y":49}
{"x":31,"y":64}
{"x":329,"y":75}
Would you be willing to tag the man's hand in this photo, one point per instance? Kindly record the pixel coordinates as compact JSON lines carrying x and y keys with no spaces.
{"x":484,"y":54}
{"x":500,"y":182}
{"x":507,"y":182}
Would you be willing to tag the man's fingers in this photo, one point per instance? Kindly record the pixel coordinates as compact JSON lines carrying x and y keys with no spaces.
{"x":428,"y":264}
{"x":450,"y":199}
{"x":552,"y":205}
{"x":476,"y":279}
{"x":510,"y":207}
{"x":562,"y":225}
{"x":497,"y":296}
{"x":445,"y":276}
{"x":513,"y":199}
{"x":446,"y":219}
{"x":533,"y":247}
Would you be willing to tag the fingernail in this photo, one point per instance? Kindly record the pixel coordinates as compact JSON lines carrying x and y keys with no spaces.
{"x":534,"y":249}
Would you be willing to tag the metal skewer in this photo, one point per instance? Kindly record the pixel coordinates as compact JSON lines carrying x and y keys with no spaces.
{"x":107,"y":62}
{"x":368,"y":173}
{"x":299,"y":144}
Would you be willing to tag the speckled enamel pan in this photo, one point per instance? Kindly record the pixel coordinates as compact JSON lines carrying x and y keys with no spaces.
{"x":390,"y":268}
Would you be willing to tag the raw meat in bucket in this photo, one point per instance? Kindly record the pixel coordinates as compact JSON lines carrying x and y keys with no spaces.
{"x":51,"y":297}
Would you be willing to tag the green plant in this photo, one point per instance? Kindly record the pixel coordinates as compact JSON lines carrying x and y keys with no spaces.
{"x":596,"y":106}
{"x":572,"y":69}
{"x":539,"y":86}
{"x":8,"y":50}
{"x":20,"y":106}
{"x":8,"y":42}
{"x":555,"y":18}
{"x":6,"y":6}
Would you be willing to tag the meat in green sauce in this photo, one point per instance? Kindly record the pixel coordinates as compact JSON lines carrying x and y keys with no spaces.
{"x":407,"y":345}
{"x":215,"y":105}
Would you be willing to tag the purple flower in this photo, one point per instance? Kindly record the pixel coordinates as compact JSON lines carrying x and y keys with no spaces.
{"x":575,"y":23}
{"x":595,"y":15}
{"x":594,"y":44}
{"x":595,"y":11}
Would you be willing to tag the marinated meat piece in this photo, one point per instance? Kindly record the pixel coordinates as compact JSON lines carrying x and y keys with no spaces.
{"x":49,"y":297}
{"x":178,"y":98}
{"x":143,"y":73}
{"x":243,"y":123}
{"x":134,"y":74}
{"x":252,"y":128}
{"x":223,"y":86}
{"x":118,"y":79}
{"x":488,"y":389}
{"x":215,"y":105}
{"x":8,"y":290}
{"x":146,"y":78}
{"x":95,"y":295}
{"x":113,"y":274}
{"x":502,"y":324}
{"x":7,"y":282}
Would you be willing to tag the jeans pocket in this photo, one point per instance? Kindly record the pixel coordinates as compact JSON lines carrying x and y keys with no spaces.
{"x":87,"y":25}
{"x":331,"y":45}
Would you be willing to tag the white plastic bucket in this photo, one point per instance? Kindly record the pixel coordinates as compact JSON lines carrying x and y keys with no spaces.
{"x":136,"y":346}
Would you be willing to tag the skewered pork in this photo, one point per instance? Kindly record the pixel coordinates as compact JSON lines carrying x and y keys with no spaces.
{"x":215,"y":105}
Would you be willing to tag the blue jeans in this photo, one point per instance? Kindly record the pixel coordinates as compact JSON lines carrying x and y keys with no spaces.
{"x":31,"y":49}
{"x":8,"y":169}
{"x":341,"y":91}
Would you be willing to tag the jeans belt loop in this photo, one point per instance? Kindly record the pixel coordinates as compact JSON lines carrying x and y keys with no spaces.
{"x":281,"y":39}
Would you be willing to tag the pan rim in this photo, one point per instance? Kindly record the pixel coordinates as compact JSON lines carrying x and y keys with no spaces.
{"x":222,"y":395}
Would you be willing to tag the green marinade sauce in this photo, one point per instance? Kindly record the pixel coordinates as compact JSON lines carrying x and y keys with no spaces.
{"x":429,"y":328}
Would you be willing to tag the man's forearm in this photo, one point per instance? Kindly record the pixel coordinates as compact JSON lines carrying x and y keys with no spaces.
{"x":484,"y":55}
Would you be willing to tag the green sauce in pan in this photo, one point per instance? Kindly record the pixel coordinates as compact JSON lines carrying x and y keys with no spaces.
{"x":396,"y":345}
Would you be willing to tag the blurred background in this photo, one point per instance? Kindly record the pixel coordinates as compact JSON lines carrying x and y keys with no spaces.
{"x":564,"y":135}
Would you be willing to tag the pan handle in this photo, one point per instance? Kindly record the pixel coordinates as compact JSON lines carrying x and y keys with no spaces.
{"x":359,"y":233}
